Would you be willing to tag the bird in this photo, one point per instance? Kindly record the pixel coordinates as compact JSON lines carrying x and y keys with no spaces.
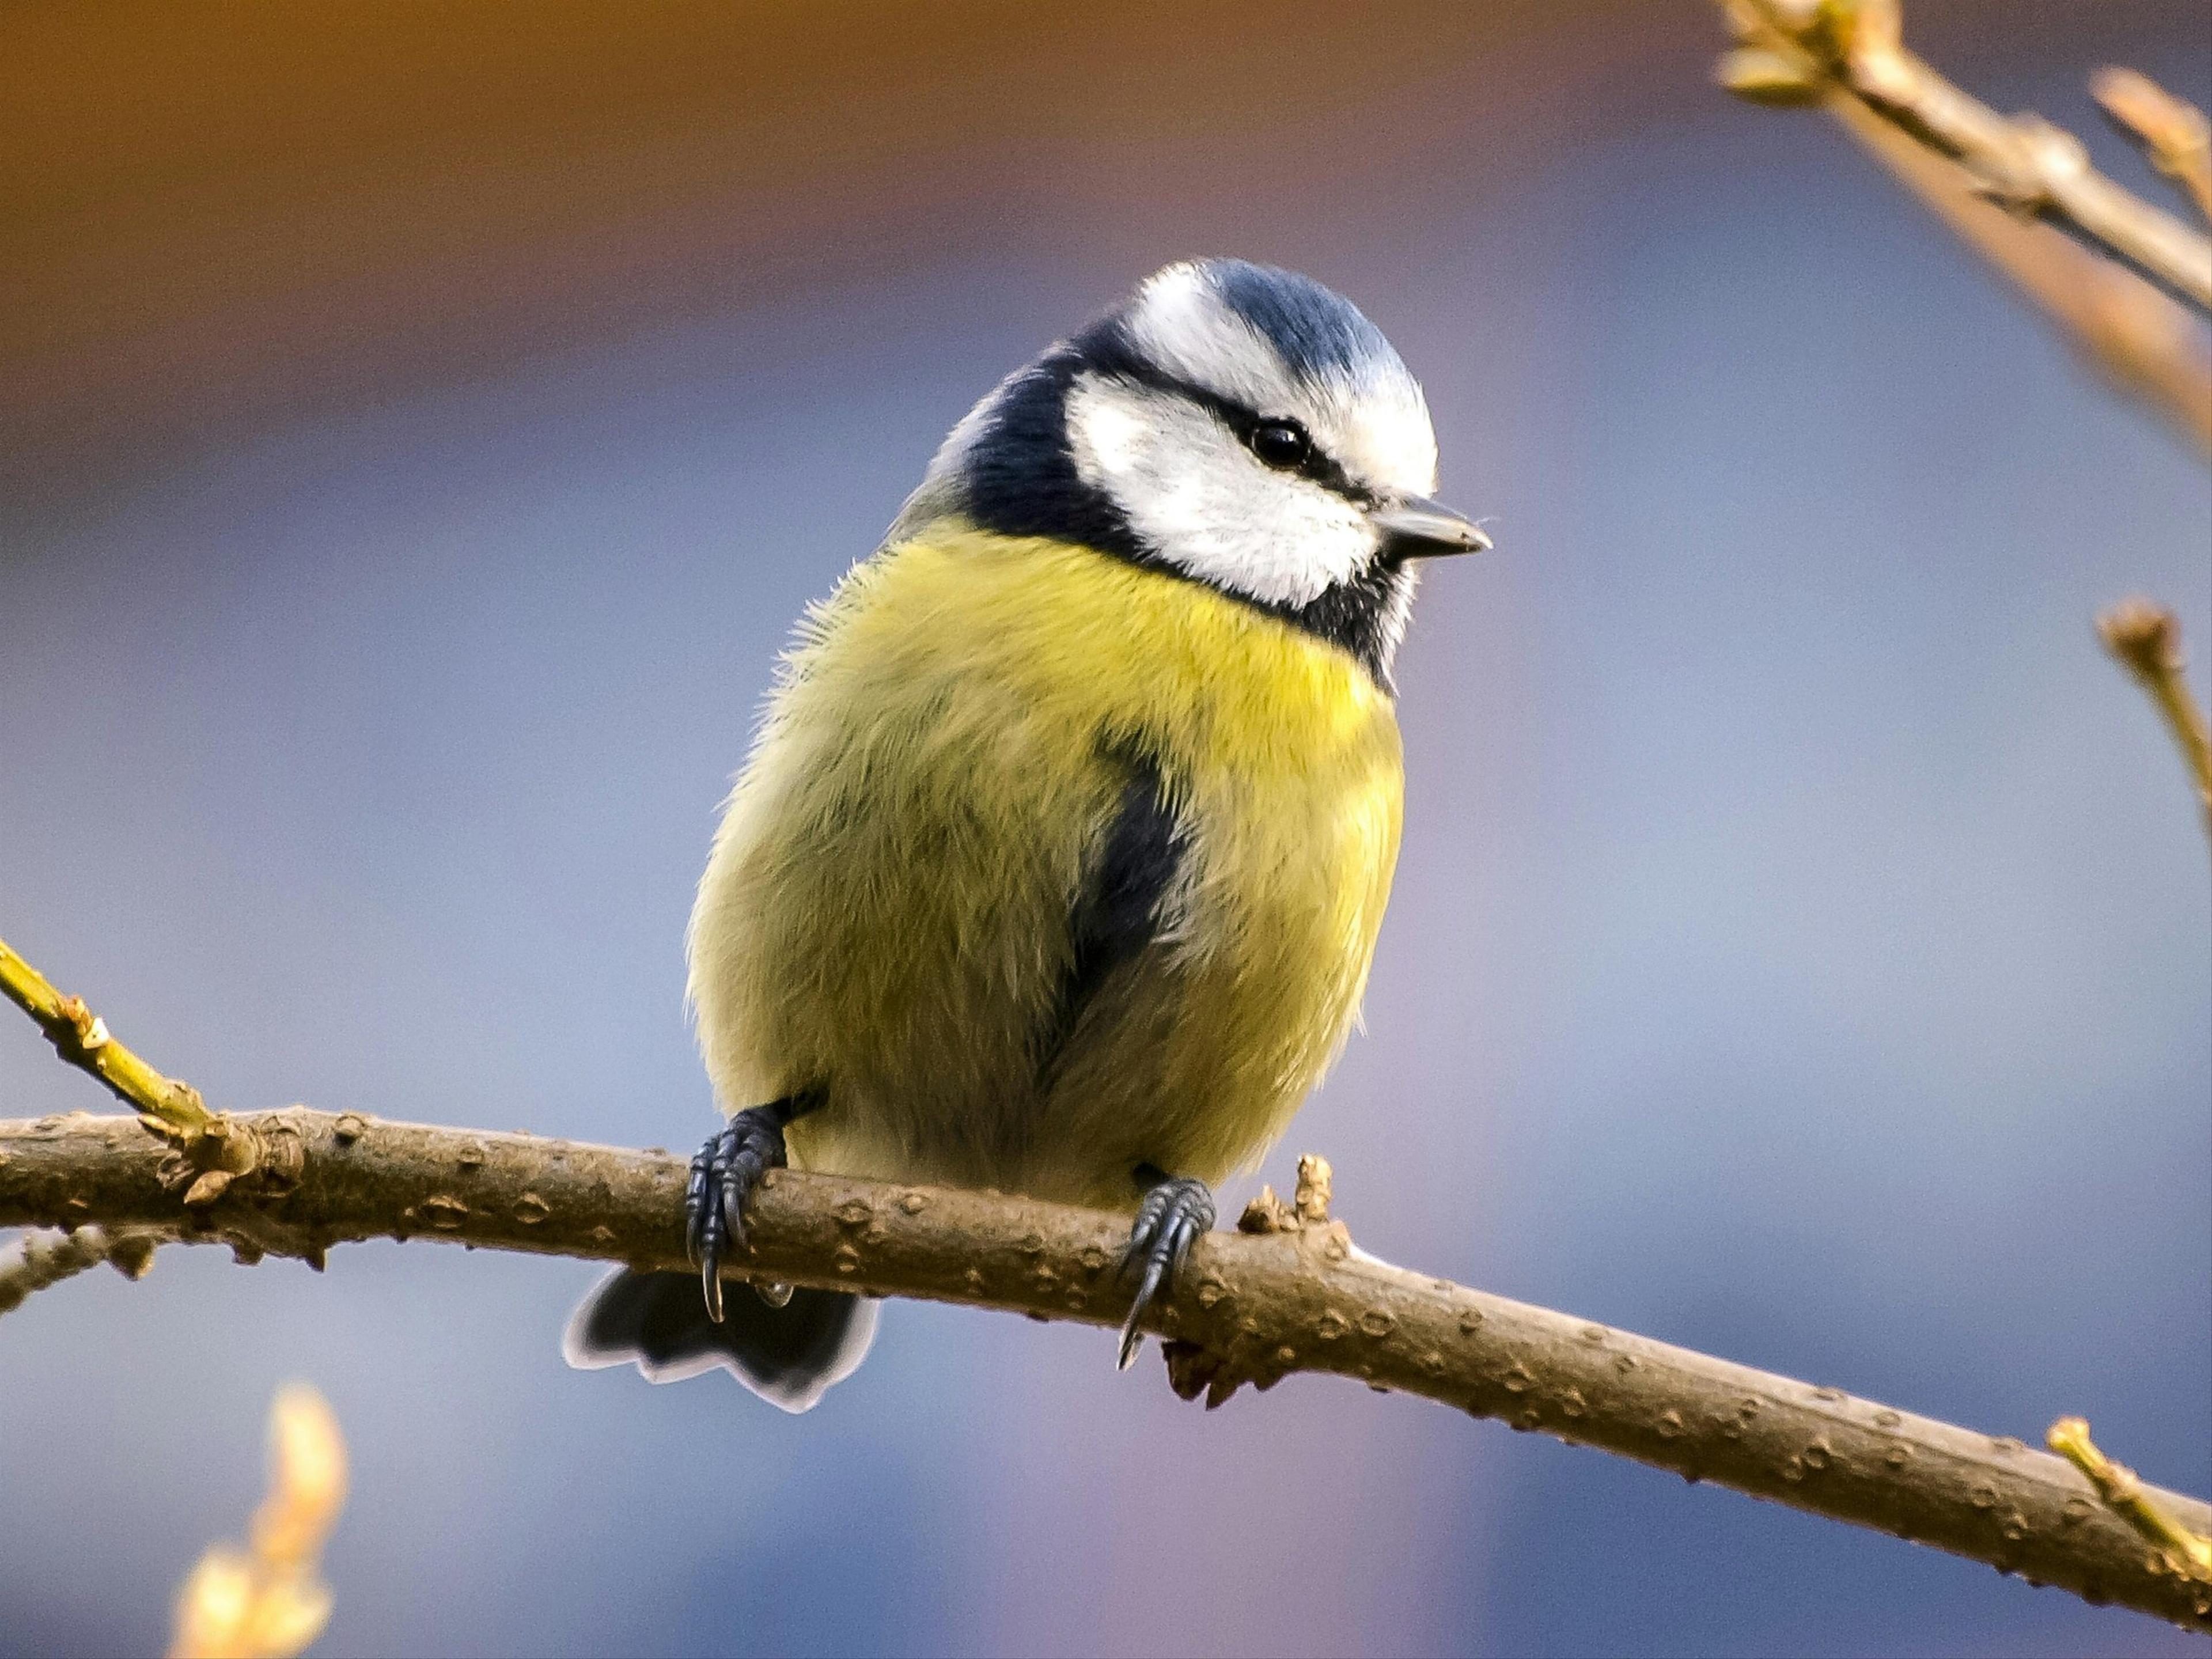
{"x":1058,"y":860}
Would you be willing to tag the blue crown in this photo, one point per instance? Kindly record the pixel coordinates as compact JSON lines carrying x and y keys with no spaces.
{"x":1319,"y":332}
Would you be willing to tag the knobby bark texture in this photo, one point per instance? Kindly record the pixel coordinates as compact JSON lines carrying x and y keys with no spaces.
{"x":1287,"y":1292}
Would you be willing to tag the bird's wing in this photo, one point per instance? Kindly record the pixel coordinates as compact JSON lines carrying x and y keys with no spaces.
{"x":1118,"y":910}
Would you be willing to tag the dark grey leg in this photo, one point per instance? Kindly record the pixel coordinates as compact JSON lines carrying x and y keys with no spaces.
{"x":724,"y":1176}
{"x":1176,"y":1210}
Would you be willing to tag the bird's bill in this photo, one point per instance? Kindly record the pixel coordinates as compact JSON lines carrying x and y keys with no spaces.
{"x":1415,"y":527}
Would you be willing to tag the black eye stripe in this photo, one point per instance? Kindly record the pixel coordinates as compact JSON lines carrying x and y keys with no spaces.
{"x":1317,"y":465}
{"x":1111,"y":356}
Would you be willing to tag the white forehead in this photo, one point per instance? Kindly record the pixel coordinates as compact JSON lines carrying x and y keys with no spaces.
{"x":1369,"y":415}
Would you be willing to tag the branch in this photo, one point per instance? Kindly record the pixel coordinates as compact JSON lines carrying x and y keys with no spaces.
{"x":1853,"y":47}
{"x":2146,"y":639}
{"x":38,"y":1261}
{"x":2172,"y":132}
{"x":1991,"y":179}
{"x":1288,"y":1294}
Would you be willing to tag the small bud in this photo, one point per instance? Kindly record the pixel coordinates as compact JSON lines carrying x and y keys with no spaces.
{"x":1767,"y":77}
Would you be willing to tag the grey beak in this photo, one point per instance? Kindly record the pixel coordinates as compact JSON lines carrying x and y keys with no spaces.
{"x":1415,"y":527}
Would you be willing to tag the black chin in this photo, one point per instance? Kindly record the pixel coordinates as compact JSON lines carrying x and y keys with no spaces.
{"x":1364,"y":615}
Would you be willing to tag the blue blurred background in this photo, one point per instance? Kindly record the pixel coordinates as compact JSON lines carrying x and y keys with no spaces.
{"x":418,"y":429}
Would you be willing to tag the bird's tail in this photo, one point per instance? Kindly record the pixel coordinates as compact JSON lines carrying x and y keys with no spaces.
{"x":788,"y":1355}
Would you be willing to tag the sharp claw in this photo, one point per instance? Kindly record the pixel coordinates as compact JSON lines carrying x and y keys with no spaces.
{"x":1132,"y":1340}
{"x":710,"y":1282}
{"x":695,"y":1212}
{"x":1143,"y":1237}
{"x":733,"y":1214}
{"x":722,"y":1179}
{"x":1169,"y":1222}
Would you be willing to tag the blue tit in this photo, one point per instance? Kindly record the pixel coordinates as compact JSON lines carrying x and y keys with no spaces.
{"x":1059,"y":858}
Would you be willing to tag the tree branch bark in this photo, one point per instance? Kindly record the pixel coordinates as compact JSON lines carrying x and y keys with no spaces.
{"x":1289,"y":1294}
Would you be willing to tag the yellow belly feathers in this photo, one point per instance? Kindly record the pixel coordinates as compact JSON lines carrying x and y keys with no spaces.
{"x":886,"y":914}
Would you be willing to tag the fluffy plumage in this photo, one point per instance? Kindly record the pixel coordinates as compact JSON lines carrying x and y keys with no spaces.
{"x":887,"y":911}
{"x":1062,"y":848}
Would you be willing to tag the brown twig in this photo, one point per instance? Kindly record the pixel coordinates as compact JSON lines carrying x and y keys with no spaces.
{"x":2127,"y":331}
{"x":1991,"y":179}
{"x":2146,"y":638}
{"x":38,"y":1260}
{"x":1252,"y":1307}
{"x":1805,"y":50}
{"x":2173,"y":132}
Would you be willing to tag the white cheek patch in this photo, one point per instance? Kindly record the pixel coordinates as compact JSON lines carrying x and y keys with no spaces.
{"x":1203,"y":502}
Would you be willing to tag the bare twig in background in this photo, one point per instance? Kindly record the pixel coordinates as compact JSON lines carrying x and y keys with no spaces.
{"x":267,"y":1602}
{"x":2141,"y":342}
{"x":2173,"y":132}
{"x":1988,"y":177}
{"x":1991,"y":179}
{"x":1853,"y":47}
{"x":2189,"y":1554}
{"x":37,"y":1260}
{"x":2145,"y":638}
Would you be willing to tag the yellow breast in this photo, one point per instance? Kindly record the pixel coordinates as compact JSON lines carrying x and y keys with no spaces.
{"x":886,"y":911}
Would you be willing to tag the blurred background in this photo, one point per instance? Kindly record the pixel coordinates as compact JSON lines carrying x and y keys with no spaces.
{"x":419,"y":427}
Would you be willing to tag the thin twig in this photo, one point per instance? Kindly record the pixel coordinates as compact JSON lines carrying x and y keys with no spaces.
{"x":37,"y":1260}
{"x":2188,"y":1553}
{"x":1968,"y":164}
{"x":82,"y":1038}
{"x":207,"y":1149}
{"x":2146,"y":638}
{"x":2142,"y":342}
{"x":1252,"y":1307}
{"x":2173,"y":132}
{"x":1808,"y":51}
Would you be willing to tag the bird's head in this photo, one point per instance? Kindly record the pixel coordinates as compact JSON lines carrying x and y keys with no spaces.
{"x":1231,"y":423}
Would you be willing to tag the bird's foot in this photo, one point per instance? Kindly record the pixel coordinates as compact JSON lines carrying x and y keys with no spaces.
{"x":1175,"y":1212}
{"x":724,"y":1176}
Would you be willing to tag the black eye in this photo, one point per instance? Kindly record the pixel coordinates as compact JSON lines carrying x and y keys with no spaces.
{"x":1282,"y":443}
